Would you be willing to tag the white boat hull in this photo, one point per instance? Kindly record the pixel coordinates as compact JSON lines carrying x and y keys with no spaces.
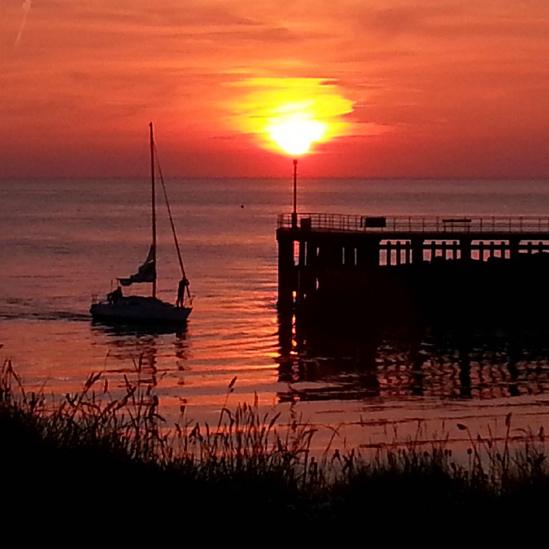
{"x":139,"y":309}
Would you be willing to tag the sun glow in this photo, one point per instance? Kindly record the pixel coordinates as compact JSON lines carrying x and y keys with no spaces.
{"x":295,"y":133}
{"x":291,"y":115}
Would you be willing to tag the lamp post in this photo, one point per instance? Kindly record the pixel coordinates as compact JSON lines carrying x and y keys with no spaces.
{"x":294,"y":211}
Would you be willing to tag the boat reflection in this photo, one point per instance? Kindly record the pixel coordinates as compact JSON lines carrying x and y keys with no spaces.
{"x":364,"y":362}
{"x":143,"y":329}
{"x":147,"y":350}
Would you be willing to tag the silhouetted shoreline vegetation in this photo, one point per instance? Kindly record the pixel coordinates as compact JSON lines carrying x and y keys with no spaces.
{"x":92,"y":455}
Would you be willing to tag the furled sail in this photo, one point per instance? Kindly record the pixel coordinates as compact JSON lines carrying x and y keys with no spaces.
{"x":145,"y":273}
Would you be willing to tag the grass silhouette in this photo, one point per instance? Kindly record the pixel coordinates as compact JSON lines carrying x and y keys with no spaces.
{"x":91,"y":455}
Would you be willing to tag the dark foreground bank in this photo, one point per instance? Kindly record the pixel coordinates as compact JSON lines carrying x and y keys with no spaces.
{"x":98,"y":459}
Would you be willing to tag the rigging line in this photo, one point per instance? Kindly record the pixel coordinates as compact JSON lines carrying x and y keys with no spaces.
{"x":170,"y":216}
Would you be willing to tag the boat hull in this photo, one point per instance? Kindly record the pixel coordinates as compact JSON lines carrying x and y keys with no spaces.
{"x":134,"y":309}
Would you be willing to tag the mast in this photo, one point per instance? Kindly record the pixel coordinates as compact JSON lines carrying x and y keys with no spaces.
{"x":153,"y":205}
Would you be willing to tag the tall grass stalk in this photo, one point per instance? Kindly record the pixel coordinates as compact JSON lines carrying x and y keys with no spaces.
{"x":253,"y":448}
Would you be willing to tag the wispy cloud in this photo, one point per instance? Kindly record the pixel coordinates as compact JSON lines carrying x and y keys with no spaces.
{"x":27,"y":4}
{"x":462,"y":69}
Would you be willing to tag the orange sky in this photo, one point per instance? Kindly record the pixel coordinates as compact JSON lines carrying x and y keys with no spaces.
{"x":436,"y":88}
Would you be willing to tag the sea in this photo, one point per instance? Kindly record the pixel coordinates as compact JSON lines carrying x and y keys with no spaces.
{"x":64,"y":241}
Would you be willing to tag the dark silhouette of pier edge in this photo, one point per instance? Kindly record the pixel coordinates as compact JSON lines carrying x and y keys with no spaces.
{"x":409,"y":270}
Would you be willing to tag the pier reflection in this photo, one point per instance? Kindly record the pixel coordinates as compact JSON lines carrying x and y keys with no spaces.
{"x":349,"y":362}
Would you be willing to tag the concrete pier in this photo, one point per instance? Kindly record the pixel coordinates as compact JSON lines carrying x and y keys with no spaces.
{"x":321,"y":251}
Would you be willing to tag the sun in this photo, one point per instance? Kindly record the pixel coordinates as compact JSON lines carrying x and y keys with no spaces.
{"x":295,"y":133}
{"x":291,"y":115}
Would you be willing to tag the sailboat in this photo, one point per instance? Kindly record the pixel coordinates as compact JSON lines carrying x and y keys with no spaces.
{"x":116,"y":307}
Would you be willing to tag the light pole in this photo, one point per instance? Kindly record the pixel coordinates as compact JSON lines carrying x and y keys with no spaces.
{"x":294,"y":211}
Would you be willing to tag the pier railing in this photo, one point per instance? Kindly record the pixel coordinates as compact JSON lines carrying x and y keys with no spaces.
{"x":417,"y":224}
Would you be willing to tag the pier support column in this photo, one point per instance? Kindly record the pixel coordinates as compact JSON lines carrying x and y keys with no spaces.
{"x":417,"y":250}
{"x":349,"y":255}
{"x":330,"y":255}
{"x":388,"y":253}
{"x":329,"y":266}
{"x":368,"y":254}
{"x":514,"y":245}
{"x":444,"y":247}
{"x":306,"y":270}
{"x":503,"y":250}
{"x":492,"y":250}
{"x":465,"y":245}
{"x":302,"y":253}
{"x":286,"y":271}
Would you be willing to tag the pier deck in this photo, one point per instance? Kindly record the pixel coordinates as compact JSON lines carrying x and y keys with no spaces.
{"x":425,"y":226}
{"x":319,"y":251}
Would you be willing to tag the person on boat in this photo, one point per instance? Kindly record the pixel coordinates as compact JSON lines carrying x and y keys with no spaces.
{"x":183,"y":283}
{"x":115,"y":295}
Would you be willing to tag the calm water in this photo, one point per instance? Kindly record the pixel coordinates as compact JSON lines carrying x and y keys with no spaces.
{"x":62,"y":241}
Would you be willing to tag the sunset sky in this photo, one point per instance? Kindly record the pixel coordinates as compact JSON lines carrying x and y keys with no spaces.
{"x":433,"y":88}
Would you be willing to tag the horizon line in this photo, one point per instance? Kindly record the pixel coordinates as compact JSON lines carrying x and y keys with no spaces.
{"x":279,"y":178}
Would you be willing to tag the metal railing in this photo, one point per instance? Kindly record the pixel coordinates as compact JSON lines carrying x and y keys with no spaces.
{"x":416,"y":224}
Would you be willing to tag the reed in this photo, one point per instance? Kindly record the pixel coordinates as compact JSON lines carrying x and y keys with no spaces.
{"x":249,"y":462}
